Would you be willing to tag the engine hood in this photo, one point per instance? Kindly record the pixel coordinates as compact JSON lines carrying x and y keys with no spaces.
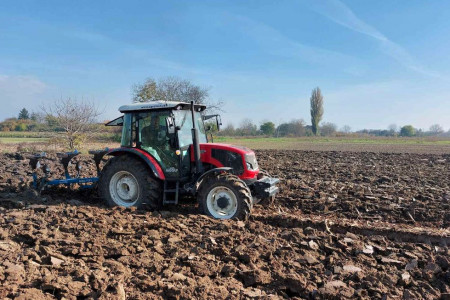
{"x":238,"y":149}
{"x":226,"y":155}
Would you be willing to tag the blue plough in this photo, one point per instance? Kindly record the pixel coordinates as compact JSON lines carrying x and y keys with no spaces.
{"x":40,"y":183}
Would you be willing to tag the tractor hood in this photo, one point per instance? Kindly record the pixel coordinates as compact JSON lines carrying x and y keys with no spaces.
{"x":238,"y":149}
{"x":241,"y":159}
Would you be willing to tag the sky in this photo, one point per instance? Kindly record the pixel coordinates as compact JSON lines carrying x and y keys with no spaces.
{"x":377,"y":62}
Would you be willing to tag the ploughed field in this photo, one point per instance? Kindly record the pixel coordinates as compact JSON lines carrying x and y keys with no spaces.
{"x":345,"y":225}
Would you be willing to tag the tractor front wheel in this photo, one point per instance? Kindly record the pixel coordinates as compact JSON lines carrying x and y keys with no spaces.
{"x":126,"y":182}
{"x":225,"y":196}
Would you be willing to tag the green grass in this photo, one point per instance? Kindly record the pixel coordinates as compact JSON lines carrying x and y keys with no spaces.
{"x":24,"y":134}
{"x":18,"y":140}
{"x":30,"y":136}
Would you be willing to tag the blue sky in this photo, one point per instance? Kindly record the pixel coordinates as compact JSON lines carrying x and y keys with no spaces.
{"x":377,"y":62}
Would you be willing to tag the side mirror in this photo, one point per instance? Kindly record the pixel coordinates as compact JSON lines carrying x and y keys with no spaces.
{"x":170,"y":125}
{"x":219,"y":122}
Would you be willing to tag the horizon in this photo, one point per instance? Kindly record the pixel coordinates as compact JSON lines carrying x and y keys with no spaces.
{"x":374,"y":62}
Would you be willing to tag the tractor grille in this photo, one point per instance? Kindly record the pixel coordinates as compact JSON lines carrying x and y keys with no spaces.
{"x":250,"y":159}
{"x":229,"y":159}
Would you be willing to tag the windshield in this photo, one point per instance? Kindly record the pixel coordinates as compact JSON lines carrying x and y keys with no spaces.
{"x":183,"y":119}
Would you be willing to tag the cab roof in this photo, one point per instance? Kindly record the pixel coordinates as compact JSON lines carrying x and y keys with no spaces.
{"x":159,"y":105}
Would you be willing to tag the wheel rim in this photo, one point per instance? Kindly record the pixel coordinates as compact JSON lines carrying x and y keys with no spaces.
{"x":124,"y":189}
{"x":222,"y":202}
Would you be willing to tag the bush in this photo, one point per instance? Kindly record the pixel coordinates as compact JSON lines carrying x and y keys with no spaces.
{"x":293,"y":128}
{"x":407,"y":130}
{"x":268,"y":128}
{"x":21,"y":127}
{"x":117,"y":137}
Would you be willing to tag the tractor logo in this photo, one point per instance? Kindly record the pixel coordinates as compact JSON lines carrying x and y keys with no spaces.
{"x":172,"y":170}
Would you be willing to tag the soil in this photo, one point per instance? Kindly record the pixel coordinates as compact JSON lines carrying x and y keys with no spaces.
{"x":345,"y":225}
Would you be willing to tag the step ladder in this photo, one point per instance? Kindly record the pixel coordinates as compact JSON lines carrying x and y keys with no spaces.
{"x":170,"y":194}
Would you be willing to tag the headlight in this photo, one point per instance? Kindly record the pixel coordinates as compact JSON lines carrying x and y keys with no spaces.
{"x":251,"y":162}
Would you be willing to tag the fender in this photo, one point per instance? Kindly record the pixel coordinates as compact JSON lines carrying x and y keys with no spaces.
{"x":141,"y":154}
{"x":198,"y":182}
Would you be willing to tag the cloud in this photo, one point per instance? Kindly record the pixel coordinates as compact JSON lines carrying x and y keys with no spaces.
{"x":88,"y":36}
{"x":131,"y":50}
{"x":276,"y":43}
{"x":20,"y":85}
{"x":17,"y":92}
{"x":341,"y":14}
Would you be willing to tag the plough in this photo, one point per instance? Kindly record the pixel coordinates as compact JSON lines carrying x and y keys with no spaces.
{"x":40,"y":183}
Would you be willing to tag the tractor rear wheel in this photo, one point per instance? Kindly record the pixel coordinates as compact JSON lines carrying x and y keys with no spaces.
{"x":225,"y":196}
{"x":125,"y":181}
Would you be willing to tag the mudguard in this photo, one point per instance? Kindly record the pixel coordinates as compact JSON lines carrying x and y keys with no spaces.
{"x":198,"y":182}
{"x":141,"y":154}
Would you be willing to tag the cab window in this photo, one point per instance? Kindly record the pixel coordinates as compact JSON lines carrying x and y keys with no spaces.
{"x":152,"y":137}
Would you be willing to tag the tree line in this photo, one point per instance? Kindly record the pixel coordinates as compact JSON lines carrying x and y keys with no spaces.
{"x":79,"y":119}
{"x":406,"y":131}
{"x":293,"y":128}
{"x":299,"y":128}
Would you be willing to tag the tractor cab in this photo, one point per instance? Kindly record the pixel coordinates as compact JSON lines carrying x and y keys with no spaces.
{"x":163,"y":129}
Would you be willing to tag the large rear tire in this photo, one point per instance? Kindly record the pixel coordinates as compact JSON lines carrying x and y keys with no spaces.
{"x":126,"y":181}
{"x":225,"y":196}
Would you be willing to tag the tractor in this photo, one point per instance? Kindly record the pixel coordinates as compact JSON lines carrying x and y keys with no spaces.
{"x":166,"y":154}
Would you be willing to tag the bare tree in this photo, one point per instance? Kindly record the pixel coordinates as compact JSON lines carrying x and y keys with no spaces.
{"x":247,"y":128}
{"x":328,"y":129}
{"x":436,"y":129}
{"x":174,"y":89}
{"x":316,"y":109}
{"x":38,"y":117}
{"x":393,"y":129}
{"x":229,"y":130}
{"x":292,"y":128}
{"x":346,"y":129}
{"x":76,"y":118}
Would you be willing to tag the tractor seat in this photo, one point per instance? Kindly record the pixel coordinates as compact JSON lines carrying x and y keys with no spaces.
{"x":146,"y":135}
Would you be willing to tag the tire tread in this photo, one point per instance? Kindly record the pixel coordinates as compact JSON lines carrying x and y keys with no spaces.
{"x":151,"y":187}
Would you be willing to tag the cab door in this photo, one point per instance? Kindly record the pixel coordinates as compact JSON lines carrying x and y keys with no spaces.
{"x":152,"y":138}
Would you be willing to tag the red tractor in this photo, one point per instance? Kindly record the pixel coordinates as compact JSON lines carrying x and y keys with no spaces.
{"x":165,"y":154}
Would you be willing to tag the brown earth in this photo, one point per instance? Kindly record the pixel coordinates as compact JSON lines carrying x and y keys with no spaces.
{"x":345,"y":225}
{"x":350,"y":144}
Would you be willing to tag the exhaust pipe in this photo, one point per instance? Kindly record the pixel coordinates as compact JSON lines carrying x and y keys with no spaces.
{"x":195,"y":143}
